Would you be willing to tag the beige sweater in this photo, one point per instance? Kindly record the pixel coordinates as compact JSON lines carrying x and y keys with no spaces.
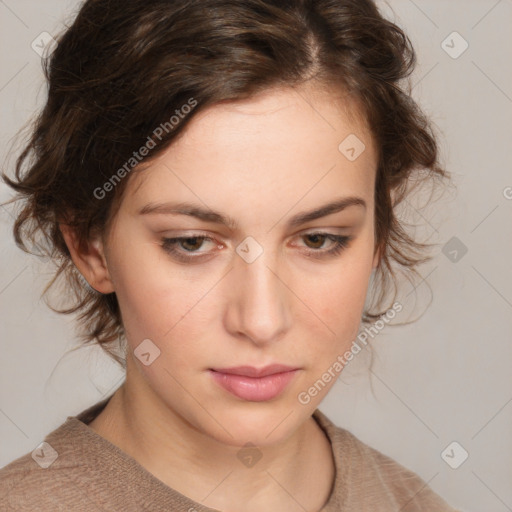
{"x":92,"y":474}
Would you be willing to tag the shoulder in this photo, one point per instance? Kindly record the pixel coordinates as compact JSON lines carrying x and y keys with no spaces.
{"x":40,"y":480}
{"x":60,"y":473}
{"x":76,"y":469}
{"x":370,"y":480}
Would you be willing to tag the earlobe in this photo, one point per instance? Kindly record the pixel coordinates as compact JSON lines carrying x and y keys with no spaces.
{"x":89,"y":259}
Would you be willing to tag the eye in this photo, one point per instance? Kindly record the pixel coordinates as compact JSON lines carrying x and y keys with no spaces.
{"x":337,"y":243}
{"x":187,"y":249}
{"x":189,"y":244}
{"x":178,"y":247}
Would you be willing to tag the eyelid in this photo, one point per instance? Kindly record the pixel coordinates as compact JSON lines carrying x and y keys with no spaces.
{"x":204,"y":237}
{"x":207,"y":236}
{"x":338,"y":240}
{"x":339,"y":243}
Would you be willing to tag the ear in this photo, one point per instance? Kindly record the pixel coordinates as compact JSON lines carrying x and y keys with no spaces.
{"x":89,"y":259}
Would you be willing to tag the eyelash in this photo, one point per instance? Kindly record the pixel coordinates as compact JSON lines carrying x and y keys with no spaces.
{"x":341,"y":242}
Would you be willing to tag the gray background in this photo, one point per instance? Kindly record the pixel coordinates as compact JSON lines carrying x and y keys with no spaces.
{"x":444,"y":378}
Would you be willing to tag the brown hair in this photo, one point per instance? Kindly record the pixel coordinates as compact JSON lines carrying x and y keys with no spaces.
{"x":125,"y":68}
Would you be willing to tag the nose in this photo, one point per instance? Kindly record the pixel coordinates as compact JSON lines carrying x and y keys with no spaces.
{"x":258,"y":309}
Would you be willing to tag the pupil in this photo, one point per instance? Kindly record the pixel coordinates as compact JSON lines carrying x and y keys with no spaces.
{"x":190,"y":241}
{"x":317,"y":238}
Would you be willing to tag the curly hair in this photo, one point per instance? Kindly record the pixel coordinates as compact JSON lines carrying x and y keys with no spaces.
{"x":123,"y":68}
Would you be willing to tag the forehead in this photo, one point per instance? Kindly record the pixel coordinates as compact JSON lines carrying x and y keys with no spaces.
{"x":282,"y":139}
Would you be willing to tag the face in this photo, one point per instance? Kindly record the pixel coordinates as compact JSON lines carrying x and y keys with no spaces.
{"x":217,"y":264}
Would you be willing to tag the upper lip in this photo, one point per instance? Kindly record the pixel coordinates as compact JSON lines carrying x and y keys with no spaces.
{"x":251,"y":371}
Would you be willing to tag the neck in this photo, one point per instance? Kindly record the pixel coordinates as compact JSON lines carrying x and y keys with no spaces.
{"x":299,"y":469}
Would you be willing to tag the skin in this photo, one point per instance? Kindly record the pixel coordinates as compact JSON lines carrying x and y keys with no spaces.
{"x":260,"y":161}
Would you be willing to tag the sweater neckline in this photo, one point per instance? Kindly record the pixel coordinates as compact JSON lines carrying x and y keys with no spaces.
{"x":129,"y":467}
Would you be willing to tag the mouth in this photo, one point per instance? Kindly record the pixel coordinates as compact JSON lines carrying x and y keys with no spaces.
{"x":254,"y":384}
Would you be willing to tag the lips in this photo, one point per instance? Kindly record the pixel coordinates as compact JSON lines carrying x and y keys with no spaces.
{"x":250,"y":371}
{"x":254,"y":384}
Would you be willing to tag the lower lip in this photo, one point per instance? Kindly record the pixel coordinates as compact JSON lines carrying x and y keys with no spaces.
{"x":254,"y":389}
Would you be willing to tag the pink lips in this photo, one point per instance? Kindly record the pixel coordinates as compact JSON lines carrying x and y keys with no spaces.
{"x":254,"y":384}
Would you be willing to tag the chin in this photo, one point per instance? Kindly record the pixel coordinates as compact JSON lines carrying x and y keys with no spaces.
{"x":259,"y":423}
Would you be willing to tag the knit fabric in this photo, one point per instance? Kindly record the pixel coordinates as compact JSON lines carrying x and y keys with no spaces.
{"x":90,"y":473}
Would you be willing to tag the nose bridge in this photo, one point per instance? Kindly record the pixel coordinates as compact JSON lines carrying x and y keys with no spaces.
{"x":259,"y":308}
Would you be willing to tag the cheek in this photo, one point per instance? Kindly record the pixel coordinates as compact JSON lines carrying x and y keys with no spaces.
{"x":339,"y":301}
{"x":152,"y":298}
{"x":161,"y":302}
{"x":340,"y":293}
{"x":344,"y":298}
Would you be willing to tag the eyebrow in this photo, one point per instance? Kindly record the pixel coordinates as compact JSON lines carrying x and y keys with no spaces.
{"x":207,"y":215}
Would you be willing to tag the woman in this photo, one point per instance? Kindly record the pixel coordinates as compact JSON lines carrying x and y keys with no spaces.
{"x":216,"y":181}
